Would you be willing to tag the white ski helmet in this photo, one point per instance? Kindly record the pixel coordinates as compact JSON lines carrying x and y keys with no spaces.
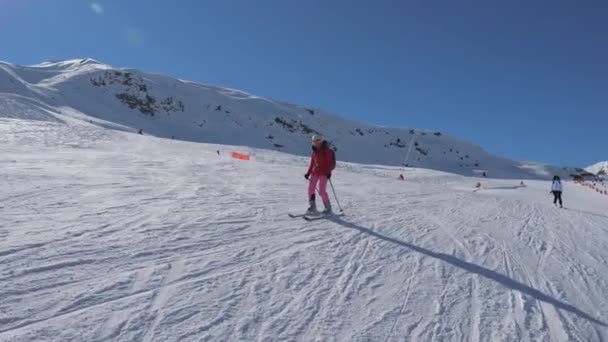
{"x":316,"y":138}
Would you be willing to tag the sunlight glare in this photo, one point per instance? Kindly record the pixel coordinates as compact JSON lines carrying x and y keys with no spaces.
{"x":96,"y":7}
{"x":134,"y":37}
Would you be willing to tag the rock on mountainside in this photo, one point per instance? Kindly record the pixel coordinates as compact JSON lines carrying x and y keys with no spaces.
{"x":171,"y":108}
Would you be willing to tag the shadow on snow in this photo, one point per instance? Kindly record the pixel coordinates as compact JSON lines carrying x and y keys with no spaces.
{"x":473,"y":268}
{"x":587,"y":212}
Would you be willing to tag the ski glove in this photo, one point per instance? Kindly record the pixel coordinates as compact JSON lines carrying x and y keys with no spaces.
{"x":329,"y":176}
{"x":306,"y":176}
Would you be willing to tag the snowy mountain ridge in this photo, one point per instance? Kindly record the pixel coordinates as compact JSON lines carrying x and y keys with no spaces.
{"x":600,"y":169}
{"x":162,"y":106}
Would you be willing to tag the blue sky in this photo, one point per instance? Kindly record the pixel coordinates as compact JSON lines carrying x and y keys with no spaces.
{"x":526,"y":81}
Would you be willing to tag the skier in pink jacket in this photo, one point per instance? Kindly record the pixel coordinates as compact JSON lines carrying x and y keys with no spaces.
{"x":322,"y":163}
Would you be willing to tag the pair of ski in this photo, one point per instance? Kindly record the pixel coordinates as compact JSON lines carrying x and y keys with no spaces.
{"x":314,"y":217}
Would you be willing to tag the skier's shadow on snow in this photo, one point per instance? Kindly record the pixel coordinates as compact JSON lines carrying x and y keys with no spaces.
{"x":586,"y":212}
{"x":473,"y":268}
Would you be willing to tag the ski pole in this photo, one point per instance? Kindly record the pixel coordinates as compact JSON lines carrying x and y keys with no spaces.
{"x":336,"y":197}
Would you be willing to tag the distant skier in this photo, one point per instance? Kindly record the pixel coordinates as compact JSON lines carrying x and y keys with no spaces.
{"x":322,"y":163}
{"x":556,"y":189}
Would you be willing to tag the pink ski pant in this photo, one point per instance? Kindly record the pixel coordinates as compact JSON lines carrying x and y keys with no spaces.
{"x":312,"y":185}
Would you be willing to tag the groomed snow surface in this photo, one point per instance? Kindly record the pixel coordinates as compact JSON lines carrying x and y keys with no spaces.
{"x":112,"y":236}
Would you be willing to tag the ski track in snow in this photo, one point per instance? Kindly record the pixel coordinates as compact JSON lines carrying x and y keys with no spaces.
{"x":110,"y":236}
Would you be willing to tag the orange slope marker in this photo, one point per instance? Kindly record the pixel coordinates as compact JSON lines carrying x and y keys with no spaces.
{"x":241,"y":156}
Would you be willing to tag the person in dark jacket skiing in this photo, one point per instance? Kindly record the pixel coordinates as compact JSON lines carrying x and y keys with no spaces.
{"x":322,"y":163}
{"x":556,"y":189}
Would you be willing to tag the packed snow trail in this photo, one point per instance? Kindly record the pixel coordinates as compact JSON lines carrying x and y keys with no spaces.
{"x":111,"y":236}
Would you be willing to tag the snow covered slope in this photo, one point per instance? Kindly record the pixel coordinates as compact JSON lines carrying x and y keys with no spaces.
{"x":171,"y":108}
{"x":112,"y":236}
{"x":600,"y":169}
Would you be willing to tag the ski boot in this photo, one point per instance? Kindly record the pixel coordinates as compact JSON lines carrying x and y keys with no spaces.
{"x":312,"y":209}
{"x":327,"y":210}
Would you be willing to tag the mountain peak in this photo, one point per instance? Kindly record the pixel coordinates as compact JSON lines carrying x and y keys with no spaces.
{"x":68,"y":62}
{"x":600,"y":169}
